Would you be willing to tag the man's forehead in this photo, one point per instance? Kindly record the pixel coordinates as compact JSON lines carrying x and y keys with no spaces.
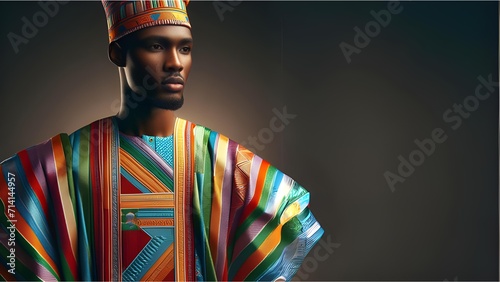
{"x":164,"y":32}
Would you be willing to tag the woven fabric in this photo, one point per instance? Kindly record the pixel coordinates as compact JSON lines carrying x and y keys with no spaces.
{"x":124,"y":17}
{"x":164,"y":146}
{"x":101,"y":205}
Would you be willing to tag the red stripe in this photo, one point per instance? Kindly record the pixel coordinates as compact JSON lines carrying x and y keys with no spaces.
{"x":106,"y":196}
{"x":24,"y":229}
{"x":190,"y":263}
{"x":94,"y":172}
{"x":33,"y":182}
{"x":258,"y":191}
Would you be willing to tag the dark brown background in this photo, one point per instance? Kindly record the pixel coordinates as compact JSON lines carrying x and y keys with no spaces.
{"x":353,"y":119}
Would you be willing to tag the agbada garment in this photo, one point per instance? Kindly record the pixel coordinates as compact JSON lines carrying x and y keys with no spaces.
{"x":101,"y":205}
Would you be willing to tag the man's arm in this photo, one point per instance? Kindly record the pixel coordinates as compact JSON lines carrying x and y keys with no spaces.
{"x":37,"y":224}
{"x":252,"y":222}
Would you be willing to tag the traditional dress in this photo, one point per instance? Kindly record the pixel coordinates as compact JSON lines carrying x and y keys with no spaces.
{"x":102,"y":205}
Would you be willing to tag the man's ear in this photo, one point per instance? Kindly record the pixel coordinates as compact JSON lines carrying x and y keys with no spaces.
{"x":117,"y":54}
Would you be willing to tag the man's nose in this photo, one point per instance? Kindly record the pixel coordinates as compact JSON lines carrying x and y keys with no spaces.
{"x":172,"y":61}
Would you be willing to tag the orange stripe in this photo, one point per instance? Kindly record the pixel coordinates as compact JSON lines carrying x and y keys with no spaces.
{"x":33,"y":181}
{"x":271,"y":242}
{"x":23,"y":227}
{"x":162,"y":267}
{"x":130,"y":201}
{"x":261,"y":178}
{"x":141,"y":174}
{"x":215,"y":216}
{"x":106,"y":190}
{"x":26,"y":232}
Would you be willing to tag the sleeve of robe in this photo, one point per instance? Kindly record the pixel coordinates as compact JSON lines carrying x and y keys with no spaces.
{"x":37,"y":198}
{"x":252,"y":221}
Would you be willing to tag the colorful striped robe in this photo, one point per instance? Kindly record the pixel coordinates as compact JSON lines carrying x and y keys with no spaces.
{"x":64,"y":201}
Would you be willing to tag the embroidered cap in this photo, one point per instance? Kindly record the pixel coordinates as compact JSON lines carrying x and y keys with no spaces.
{"x":125,"y":17}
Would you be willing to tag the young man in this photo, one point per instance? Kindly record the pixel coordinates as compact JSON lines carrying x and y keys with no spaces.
{"x":145,"y":195}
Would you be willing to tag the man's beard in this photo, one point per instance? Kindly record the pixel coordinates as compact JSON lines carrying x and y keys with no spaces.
{"x":169,"y":103}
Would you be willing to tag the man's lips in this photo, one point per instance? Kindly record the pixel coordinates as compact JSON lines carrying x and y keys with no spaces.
{"x":174,"y":84}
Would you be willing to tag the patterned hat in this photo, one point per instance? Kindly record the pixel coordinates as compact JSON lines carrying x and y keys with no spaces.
{"x":125,"y":17}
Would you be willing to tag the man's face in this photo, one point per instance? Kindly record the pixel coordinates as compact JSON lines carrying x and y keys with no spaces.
{"x":158,"y":62}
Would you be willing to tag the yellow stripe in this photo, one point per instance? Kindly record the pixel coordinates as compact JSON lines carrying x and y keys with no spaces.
{"x":222,"y":144}
{"x":144,"y":176}
{"x":179,"y":171}
{"x":65,"y":198}
{"x":131,"y":201}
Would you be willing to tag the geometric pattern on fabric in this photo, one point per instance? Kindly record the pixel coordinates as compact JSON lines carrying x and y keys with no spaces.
{"x":124,"y":17}
{"x":81,"y":199}
{"x":147,"y":215}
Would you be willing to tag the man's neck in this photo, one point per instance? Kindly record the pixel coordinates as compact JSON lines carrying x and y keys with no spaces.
{"x":146,"y":121}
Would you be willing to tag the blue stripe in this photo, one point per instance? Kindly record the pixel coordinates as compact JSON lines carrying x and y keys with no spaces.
{"x":155,"y":213}
{"x":85,"y":255}
{"x":29,"y":207}
{"x":161,"y":239}
{"x":212,"y":141}
{"x":133,"y":181}
{"x":275,"y":185}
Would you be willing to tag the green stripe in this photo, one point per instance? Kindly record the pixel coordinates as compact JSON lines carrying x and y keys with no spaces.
{"x":290,"y":231}
{"x":207,"y":183}
{"x":203,"y":170}
{"x":85,"y":185}
{"x":209,"y":270}
{"x":122,"y":12}
{"x":259,"y":210}
{"x":28,"y":249}
{"x":68,"y":157}
{"x":66,"y":270}
{"x":20,"y":270}
{"x":259,"y":239}
{"x":146,"y":162}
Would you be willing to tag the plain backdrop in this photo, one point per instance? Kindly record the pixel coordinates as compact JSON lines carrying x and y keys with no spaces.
{"x":354,"y":121}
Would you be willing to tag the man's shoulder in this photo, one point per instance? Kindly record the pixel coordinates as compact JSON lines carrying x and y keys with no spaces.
{"x":40,"y":150}
{"x":102,"y":123}
{"x":62,"y":138}
{"x":209,"y":132}
{"x":211,"y":136}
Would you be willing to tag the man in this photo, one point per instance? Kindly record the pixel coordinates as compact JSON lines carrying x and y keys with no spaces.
{"x":145,"y":195}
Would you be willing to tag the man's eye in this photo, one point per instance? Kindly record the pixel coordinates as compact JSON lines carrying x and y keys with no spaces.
{"x":186,"y":49}
{"x":156,"y":47}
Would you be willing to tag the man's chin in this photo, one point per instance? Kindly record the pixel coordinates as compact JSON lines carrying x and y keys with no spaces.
{"x":171,"y":102}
